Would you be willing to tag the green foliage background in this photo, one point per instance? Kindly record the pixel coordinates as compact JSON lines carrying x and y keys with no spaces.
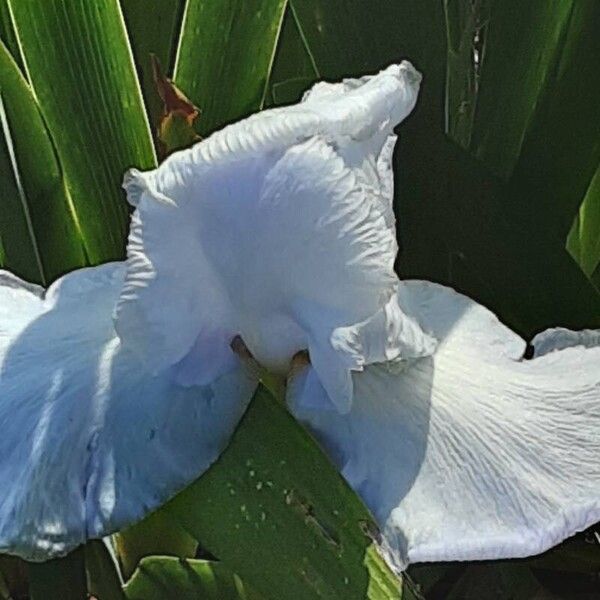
{"x":498,"y":195}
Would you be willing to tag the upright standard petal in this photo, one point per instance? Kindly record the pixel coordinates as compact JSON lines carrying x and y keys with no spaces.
{"x":91,"y":440}
{"x":474,"y":452}
{"x":278,"y":228}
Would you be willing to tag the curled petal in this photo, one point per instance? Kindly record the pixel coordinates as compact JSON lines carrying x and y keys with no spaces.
{"x":278,"y":228}
{"x":559,"y":338}
{"x":388,"y":335}
{"x":91,"y":440}
{"x":471,"y":453}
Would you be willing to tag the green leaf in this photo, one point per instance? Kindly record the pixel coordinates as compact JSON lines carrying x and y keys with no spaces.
{"x":294,"y":69}
{"x":522,"y":43}
{"x":225,"y":56}
{"x":165,"y":578}
{"x":158,"y":533}
{"x":354,"y":38}
{"x":465,"y":34}
{"x":103,"y":581}
{"x":276,"y":511}
{"x":583,"y":241}
{"x":501,"y":242}
{"x":80,"y":66}
{"x":560,"y":152}
{"x":8,"y":35}
{"x":153,"y":27}
{"x":537,"y":117}
{"x":290,"y":91}
{"x":325,"y":23}
{"x":451,"y":198}
{"x":59,"y":579}
{"x":40,"y":235}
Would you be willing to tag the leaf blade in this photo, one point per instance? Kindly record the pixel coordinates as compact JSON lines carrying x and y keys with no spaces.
{"x":40,"y":235}
{"x":166,"y":577}
{"x":80,"y":66}
{"x":560,"y":151}
{"x":102,"y":574}
{"x":293,"y":527}
{"x":583,"y":241}
{"x":227,"y":81}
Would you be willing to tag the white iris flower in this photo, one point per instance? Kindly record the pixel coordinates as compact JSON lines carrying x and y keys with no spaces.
{"x":119,"y":385}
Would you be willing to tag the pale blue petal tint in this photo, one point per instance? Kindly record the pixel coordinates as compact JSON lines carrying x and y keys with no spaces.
{"x":91,"y":441}
{"x":474,"y":452}
{"x":118,"y":386}
{"x":559,"y":338}
{"x":278,"y":229}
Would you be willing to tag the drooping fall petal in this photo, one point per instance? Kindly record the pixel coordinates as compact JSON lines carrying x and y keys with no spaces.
{"x":91,"y":440}
{"x":473,"y":452}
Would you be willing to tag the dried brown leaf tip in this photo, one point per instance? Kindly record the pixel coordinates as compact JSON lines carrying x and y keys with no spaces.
{"x":176,"y":125}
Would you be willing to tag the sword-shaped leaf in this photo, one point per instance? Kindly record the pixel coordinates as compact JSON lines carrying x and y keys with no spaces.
{"x":80,"y":67}
{"x":167,"y":577}
{"x":225,"y":56}
{"x":279,"y":514}
{"x":40,"y":235}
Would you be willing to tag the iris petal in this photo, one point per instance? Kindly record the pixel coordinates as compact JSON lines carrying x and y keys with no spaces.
{"x":474,"y":452}
{"x":93,"y":441}
{"x":278,"y":228}
{"x":118,"y":385}
{"x":559,"y":338}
